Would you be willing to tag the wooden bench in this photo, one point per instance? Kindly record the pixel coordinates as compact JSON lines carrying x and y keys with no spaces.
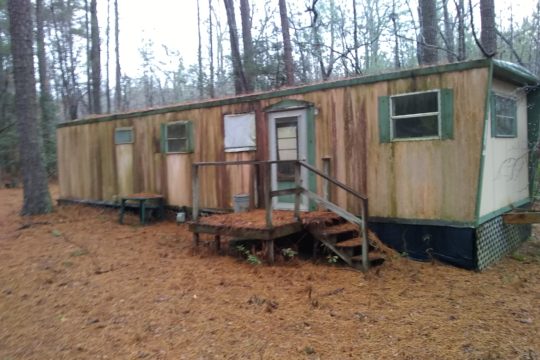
{"x":144,"y":202}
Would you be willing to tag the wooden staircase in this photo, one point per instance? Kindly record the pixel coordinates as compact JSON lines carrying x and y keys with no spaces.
{"x":344,"y":239}
{"x":349,"y":240}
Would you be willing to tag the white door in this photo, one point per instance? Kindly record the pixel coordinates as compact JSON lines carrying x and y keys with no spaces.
{"x":287,"y":135}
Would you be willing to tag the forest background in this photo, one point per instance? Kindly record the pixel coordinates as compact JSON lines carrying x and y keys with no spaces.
{"x":227,"y":47}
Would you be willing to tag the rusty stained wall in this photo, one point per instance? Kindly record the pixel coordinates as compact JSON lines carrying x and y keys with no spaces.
{"x":432,"y":179}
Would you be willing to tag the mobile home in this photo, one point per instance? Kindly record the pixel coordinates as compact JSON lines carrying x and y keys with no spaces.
{"x":441,"y":152}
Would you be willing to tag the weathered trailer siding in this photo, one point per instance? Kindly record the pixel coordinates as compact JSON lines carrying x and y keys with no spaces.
{"x":431,"y":179}
{"x":435,"y":179}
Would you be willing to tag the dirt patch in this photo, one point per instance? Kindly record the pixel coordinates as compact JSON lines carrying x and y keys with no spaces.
{"x":75,"y":284}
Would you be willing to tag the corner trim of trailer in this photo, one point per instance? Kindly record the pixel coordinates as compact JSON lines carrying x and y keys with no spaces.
{"x":487,"y":118}
{"x":494,"y":214}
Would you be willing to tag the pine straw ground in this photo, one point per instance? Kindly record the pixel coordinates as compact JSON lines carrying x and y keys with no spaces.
{"x":77,"y":285}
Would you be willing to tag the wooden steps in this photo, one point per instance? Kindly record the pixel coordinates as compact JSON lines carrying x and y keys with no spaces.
{"x":343,"y":238}
{"x":351,"y":243}
{"x":340,"y":228}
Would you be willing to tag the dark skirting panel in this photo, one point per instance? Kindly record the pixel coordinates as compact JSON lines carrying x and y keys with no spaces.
{"x":451,"y":245}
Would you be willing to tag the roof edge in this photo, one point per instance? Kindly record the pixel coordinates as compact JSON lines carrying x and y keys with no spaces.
{"x":367,"y":79}
{"x":514,"y":73}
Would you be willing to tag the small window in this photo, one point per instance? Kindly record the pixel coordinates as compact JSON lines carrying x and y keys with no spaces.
{"x":240,"y":134}
{"x":503,"y":117}
{"x":425,"y":115}
{"x":177,"y":137}
{"x":415,"y":116}
{"x":123,"y":135}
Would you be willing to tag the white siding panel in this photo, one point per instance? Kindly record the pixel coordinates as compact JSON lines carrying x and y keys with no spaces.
{"x":505,"y":178}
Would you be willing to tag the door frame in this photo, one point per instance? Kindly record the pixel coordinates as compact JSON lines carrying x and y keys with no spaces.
{"x":306,"y":148}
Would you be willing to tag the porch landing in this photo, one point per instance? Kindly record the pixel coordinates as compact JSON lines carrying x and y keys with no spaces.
{"x":252,"y":224}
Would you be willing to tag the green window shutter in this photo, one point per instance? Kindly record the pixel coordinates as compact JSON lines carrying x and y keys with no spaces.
{"x":447,"y":113}
{"x":384,"y":119}
{"x":190,"y":136}
{"x":163,"y":138}
{"x":493,"y":113}
{"x":514,"y":124}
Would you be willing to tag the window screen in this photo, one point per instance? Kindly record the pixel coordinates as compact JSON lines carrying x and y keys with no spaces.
{"x":177,"y":137}
{"x":504,"y":122}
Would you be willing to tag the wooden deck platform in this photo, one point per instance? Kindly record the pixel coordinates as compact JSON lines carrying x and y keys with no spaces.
{"x":252,"y":224}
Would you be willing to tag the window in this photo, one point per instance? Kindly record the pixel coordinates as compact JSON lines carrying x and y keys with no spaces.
{"x":123,"y":135}
{"x":503,"y":117}
{"x":416,"y":116}
{"x":177,"y":137}
{"x":287,"y":146}
{"x":240,"y":132}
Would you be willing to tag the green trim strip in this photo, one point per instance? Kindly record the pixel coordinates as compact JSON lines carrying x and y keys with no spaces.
{"x":312,"y":181}
{"x":487,"y":105}
{"x":411,"y":73}
{"x":287,"y":104}
{"x":503,"y":210}
{"x":457,"y":224}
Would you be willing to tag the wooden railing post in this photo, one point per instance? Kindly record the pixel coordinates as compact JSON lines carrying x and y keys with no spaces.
{"x":255,"y":189}
{"x":326,"y":183}
{"x":298,"y":187}
{"x":267,"y":196}
{"x":365,"y":244}
{"x":195,"y":193}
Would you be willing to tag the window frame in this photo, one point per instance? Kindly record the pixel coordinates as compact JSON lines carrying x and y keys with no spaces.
{"x":125,"y":128}
{"x":416,"y":115}
{"x":189,"y":137}
{"x":493,"y":110}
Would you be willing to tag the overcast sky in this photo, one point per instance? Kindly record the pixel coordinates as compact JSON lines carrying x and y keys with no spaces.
{"x":174,"y":23}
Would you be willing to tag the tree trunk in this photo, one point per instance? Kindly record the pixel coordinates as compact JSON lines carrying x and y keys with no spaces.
{"x":394,"y":18}
{"x":238,"y":71}
{"x":108,"y":56}
{"x":88,"y":56}
{"x":118,"y":85}
{"x":211,"y":91}
{"x":428,"y":53}
{"x":200,"y":85}
{"x":488,"y":34}
{"x":287,"y":47}
{"x":462,"y":55}
{"x":36,"y":193}
{"x":95,"y":59}
{"x":355,"y":39}
{"x":247,"y":41}
{"x":448,"y":34}
{"x":46,"y":101}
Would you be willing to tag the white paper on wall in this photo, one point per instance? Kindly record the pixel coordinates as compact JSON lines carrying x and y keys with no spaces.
{"x":240,"y":132}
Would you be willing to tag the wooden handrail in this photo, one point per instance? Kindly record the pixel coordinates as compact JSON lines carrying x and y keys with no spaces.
{"x":333,"y":181}
{"x":242,"y":162}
